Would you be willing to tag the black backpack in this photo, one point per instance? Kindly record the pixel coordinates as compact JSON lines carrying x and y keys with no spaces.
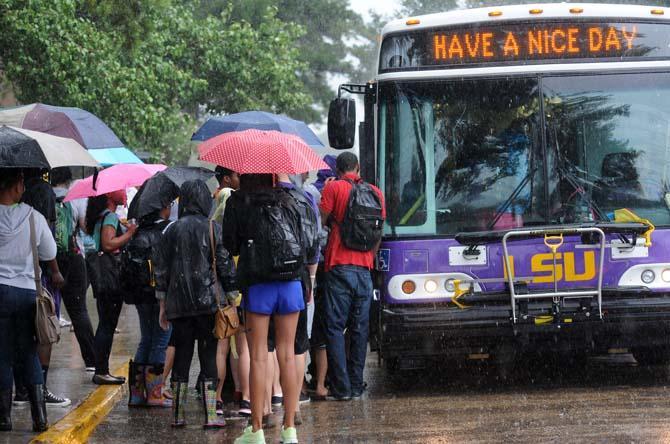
{"x":310,"y":224}
{"x":361,"y":229}
{"x":277,"y":250}
{"x":137,"y":274}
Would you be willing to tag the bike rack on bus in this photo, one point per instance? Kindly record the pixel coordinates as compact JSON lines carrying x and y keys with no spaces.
{"x":553,"y":238}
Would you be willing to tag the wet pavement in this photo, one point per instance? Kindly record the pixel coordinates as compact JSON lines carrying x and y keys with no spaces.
{"x":67,"y":376}
{"x":609,"y":399}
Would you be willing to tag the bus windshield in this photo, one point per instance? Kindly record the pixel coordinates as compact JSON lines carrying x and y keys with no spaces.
{"x":473,"y":155}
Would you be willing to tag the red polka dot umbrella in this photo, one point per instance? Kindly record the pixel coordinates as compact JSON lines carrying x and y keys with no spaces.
{"x":261,"y":152}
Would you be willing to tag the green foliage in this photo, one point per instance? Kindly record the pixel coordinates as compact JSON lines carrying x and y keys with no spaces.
{"x":325,"y":47}
{"x":147,"y":75}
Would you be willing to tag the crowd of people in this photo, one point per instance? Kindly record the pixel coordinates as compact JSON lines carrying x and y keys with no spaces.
{"x":293,"y":257}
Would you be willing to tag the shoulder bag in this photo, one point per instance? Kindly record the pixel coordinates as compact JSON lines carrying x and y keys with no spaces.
{"x":103,"y":272}
{"x":47,"y":325}
{"x":226,"y":321}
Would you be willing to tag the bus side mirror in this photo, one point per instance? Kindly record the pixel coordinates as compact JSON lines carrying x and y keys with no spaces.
{"x":342,"y":123}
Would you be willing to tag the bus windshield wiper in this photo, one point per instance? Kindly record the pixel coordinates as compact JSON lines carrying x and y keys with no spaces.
{"x":574,"y":183}
{"x":505,"y":206}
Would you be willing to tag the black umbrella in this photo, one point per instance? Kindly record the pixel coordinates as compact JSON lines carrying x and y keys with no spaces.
{"x":20,"y":148}
{"x":161,"y":189}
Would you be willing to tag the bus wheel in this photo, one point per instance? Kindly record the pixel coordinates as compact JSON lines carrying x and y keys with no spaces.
{"x":648,"y":356}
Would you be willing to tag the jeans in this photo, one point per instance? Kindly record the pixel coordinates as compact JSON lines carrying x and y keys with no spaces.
{"x":154,"y":340}
{"x":73,"y":294}
{"x":17,"y":336}
{"x":347,"y":304}
{"x":185,"y":332}
{"x":109,"y":310}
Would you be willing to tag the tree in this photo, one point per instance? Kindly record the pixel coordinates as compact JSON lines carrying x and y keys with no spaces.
{"x":148,"y":86}
{"x":326,"y":47}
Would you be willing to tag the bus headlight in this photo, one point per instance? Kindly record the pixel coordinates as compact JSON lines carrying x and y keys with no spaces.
{"x":449,"y":285}
{"x":648,"y":276}
{"x":665,"y":275}
{"x":408,"y":287}
{"x":430,"y":286}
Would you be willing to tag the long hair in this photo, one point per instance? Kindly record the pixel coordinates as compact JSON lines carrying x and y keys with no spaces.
{"x":96,"y":205}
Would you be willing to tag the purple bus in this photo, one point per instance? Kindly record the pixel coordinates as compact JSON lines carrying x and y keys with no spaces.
{"x":524,"y":153}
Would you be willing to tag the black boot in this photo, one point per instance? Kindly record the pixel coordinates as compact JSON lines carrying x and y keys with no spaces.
{"x":6,"y":410}
{"x":38,"y":407}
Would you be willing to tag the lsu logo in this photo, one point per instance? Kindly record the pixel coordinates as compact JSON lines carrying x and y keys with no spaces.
{"x":542,"y":267}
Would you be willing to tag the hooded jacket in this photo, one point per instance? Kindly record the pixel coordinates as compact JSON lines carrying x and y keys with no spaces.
{"x":183,"y":260}
{"x":16,"y":257}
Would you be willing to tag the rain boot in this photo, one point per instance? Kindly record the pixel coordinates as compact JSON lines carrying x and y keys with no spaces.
{"x":179,"y":404}
{"x":38,"y":407}
{"x":136,"y":385}
{"x":153,"y":377}
{"x":6,"y":410}
{"x":212,"y":420}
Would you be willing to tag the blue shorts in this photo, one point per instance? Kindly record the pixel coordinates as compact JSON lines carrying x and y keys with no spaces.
{"x":281,"y":297}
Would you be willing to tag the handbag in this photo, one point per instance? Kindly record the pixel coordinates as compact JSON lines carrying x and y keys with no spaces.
{"x":47,"y":325}
{"x":226,"y":320}
{"x":103,"y":271}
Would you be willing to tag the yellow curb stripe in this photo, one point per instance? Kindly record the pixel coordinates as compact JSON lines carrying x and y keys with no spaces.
{"x":79,"y":424}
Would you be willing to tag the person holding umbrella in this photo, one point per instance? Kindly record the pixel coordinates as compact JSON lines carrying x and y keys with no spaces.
{"x":151,"y":207}
{"x":103,"y":224}
{"x":272,"y":254}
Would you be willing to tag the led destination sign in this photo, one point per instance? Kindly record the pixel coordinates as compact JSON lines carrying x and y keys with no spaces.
{"x":543,"y":42}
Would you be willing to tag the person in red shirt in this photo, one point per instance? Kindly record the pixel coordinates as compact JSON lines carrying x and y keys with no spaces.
{"x":348,"y":287}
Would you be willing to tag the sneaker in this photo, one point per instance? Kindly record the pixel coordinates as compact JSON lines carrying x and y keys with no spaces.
{"x":304,"y":398}
{"x":245,"y":408}
{"x":64,"y":323}
{"x":288,"y":436}
{"x":52,"y":399}
{"x":251,"y":437}
{"x":219,"y":408}
{"x":277,"y":400}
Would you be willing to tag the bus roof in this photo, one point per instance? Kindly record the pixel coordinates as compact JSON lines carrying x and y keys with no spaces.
{"x":523,"y":12}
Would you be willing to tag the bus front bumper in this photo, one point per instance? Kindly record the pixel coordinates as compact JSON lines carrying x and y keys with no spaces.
{"x":443,"y":331}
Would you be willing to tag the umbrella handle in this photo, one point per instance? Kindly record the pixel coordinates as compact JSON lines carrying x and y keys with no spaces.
{"x":95,"y":179}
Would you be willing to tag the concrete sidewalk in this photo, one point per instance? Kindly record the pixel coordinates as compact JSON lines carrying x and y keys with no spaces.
{"x":67,"y":376}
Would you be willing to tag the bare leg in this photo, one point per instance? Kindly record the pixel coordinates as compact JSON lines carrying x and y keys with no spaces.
{"x":221,"y":355}
{"x":270,"y":371}
{"x":321,"y":363}
{"x":169,"y":361}
{"x":300,"y":376}
{"x":243,"y":363}
{"x":258,"y":348}
{"x":276,"y":385}
{"x":285,"y":326}
{"x":235,"y":365}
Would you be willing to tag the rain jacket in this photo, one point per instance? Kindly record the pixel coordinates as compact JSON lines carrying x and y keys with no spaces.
{"x":183,"y":261}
